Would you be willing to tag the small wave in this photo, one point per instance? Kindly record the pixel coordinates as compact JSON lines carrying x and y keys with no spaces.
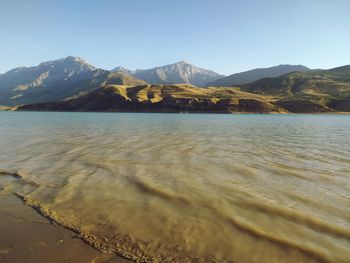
{"x":257,"y":233}
{"x":121,"y":245}
{"x":296,"y":217}
{"x":156,"y":191}
{"x":20,"y":176}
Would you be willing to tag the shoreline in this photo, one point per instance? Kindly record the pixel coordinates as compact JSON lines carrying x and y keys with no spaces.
{"x":29,"y":236}
{"x":87,"y":238}
{"x":188,"y":112}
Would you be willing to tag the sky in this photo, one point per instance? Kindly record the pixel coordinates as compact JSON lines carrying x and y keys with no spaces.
{"x":226,"y":36}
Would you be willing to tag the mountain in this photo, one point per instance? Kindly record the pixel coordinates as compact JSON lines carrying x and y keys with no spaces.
{"x":123,"y":70}
{"x":55,"y":80}
{"x":118,"y":78}
{"x":71,"y":77}
{"x":315,"y":90}
{"x":73,"y":84}
{"x":181,"y":72}
{"x":52,"y":80}
{"x":256,"y":74}
{"x":163,"y":98}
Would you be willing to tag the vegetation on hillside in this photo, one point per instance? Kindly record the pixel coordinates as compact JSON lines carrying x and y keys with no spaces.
{"x":329,"y":89}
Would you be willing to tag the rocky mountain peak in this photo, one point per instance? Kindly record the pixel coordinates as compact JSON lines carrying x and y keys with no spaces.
{"x":176,"y":73}
{"x":63,"y":74}
{"x":123,"y":70}
{"x":69,"y":63}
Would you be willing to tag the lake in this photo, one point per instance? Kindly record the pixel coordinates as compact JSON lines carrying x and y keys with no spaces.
{"x":187,"y":187}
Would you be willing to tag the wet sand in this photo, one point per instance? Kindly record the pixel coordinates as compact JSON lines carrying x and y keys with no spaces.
{"x":27,"y":237}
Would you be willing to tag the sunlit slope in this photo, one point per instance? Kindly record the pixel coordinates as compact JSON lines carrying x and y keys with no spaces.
{"x":164,"y":98}
{"x":312,"y":91}
{"x":118,"y":78}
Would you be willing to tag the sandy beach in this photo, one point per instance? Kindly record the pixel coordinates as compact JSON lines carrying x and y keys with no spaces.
{"x":27,"y":237}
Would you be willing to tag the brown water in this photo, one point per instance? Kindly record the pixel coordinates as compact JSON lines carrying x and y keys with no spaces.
{"x":187,"y":187}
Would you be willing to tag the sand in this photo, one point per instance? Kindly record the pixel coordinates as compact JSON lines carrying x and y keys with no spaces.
{"x":27,"y":237}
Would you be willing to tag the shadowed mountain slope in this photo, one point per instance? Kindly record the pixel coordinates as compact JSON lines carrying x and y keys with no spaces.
{"x":55,"y":80}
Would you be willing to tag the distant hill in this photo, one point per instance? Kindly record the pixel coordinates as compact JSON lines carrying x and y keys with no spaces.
{"x":55,"y":80}
{"x":163,"y":98}
{"x":118,"y":78}
{"x":326,"y":89}
{"x":256,"y":74}
{"x":177,"y":73}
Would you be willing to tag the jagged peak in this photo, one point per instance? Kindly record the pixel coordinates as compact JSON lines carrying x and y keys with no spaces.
{"x":120,"y":67}
{"x":69,"y":59}
{"x":122,"y":70}
{"x":75,"y":58}
{"x":80,"y":60}
{"x":182,"y":62}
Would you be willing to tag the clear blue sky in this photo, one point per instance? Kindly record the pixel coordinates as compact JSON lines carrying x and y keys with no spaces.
{"x":227,"y":36}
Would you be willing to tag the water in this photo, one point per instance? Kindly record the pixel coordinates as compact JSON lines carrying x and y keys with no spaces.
{"x":187,"y":187}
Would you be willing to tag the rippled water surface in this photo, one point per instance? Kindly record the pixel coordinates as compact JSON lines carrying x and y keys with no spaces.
{"x":187,"y":187}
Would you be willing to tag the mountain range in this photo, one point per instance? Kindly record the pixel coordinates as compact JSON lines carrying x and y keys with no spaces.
{"x":315,"y":91}
{"x":180,"y":72}
{"x":73,"y":84}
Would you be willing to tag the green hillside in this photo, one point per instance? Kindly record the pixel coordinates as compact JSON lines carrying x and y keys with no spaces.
{"x":326,"y":89}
